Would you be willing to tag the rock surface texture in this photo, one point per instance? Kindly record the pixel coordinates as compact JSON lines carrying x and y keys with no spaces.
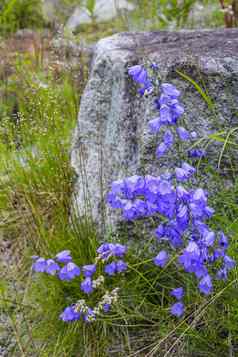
{"x":112,"y":138}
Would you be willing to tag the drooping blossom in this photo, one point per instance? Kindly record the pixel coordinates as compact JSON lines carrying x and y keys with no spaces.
{"x":161,"y":259}
{"x":87,"y":286}
{"x":69,"y":272}
{"x":177,"y":309}
{"x":178,"y":293}
{"x":64,"y":257}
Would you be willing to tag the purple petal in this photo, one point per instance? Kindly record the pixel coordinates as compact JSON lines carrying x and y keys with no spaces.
{"x":161,"y":259}
{"x":178,"y":293}
{"x":177,"y":309}
{"x":183,"y":134}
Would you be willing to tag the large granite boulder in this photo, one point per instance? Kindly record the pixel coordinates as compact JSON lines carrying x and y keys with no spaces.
{"x":112,"y":138}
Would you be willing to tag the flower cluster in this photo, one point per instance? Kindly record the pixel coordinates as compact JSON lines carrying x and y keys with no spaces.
{"x":183,"y":210}
{"x":81,"y":310}
{"x":169,"y":109}
{"x":65,"y":269}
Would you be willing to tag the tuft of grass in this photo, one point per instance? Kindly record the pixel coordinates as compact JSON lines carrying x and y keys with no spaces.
{"x":36,"y":188}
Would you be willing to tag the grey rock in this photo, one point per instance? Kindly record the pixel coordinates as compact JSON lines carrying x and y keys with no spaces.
{"x":80,"y":16}
{"x":204,"y":15}
{"x":112,"y":139}
{"x":104,"y":10}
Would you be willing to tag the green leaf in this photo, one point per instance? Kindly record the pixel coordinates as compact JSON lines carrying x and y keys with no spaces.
{"x":198,"y":88}
{"x":91,"y":6}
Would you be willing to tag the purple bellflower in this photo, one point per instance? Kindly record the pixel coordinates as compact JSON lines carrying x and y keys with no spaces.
{"x":196,"y":153}
{"x":183,"y":134}
{"x":205,"y":285}
{"x":178,"y":293}
{"x":106,"y":307}
{"x":70,"y":315}
{"x":89,"y":270}
{"x":40,"y":265}
{"x":138,"y":74}
{"x":87,"y":286}
{"x":51,"y":267}
{"x":121,"y":266}
{"x":111,"y":268}
{"x":69,"y":272}
{"x":177,"y":309}
{"x":229,"y":263}
{"x":64,"y":257}
{"x":161,"y":259}
{"x":223,"y":241}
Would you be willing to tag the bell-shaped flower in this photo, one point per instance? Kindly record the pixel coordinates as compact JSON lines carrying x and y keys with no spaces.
{"x":168,"y":138}
{"x":205,"y":285}
{"x":222,"y":274}
{"x":70,"y":315}
{"x":185,"y":172}
{"x":106,"y":307}
{"x":87,"y":286}
{"x":40,"y":265}
{"x":199,"y":270}
{"x":196,"y":153}
{"x":181,"y":175}
{"x":161,"y":259}
{"x":173,"y":233}
{"x":161,"y":150}
{"x":89,"y":315}
{"x":190,"y":257}
{"x":69,"y":272}
{"x":160,"y":232}
{"x":178,"y":293}
{"x":89,"y":270}
{"x":190,"y":170}
{"x":177,"y":309}
{"x":121,"y":266}
{"x":119,"y":250}
{"x":105,"y":250}
{"x":183,"y":134}
{"x":133,"y":186}
{"x":182,"y":217}
{"x":115,"y":201}
{"x":111,"y":268}
{"x":146,"y":88}
{"x":138,"y":74}
{"x":182,"y":193}
{"x":223,"y":241}
{"x":52,"y":267}
{"x":64,"y":257}
{"x":229,"y":263}
{"x":209,"y":239}
{"x":155,"y":125}
{"x":118,"y":187}
{"x":170,"y":90}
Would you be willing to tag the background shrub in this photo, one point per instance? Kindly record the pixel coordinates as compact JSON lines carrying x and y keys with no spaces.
{"x":19,"y":14}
